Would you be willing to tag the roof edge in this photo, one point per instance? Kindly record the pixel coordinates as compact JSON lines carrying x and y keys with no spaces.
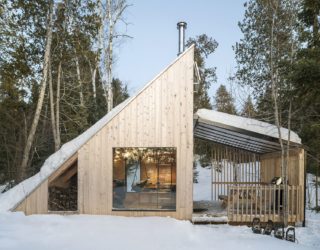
{"x":295,"y":139}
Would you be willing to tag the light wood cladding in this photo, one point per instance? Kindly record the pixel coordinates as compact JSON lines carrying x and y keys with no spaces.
{"x":271,"y":167}
{"x":36,"y":202}
{"x":160,"y":116}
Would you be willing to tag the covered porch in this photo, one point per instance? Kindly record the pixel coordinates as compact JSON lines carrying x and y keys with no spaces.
{"x":245,"y":164}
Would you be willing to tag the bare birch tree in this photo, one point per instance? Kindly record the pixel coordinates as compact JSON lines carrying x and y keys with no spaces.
{"x":265,"y":59}
{"x":274,"y":76}
{"x":107,"y":34}
{"x":55,"y":107}
{"x":31,"y":134}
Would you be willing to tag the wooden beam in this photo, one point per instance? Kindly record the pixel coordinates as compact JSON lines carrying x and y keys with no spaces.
{"x":63,"y":167}
{"x":69,"y":173}
{"x":63,"y":179}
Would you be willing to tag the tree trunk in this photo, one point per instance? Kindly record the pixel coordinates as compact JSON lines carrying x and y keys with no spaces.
{"x":31,"y":135}
{"x":94,"y":85}
{"x":58,"y":142}
{"x":52,"y":113}
{"x":93,"y":80}
{"x":79,"y":81}
{"x":109,"y":57}
{"x":274,"y":80}
{"x":101,"y":51}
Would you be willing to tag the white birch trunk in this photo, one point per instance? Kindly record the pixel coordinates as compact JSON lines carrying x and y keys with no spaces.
{"x":79,"y":80}
{"x":101,"y":50}
{"x":52,"y":112}
{"x":94,"y":90}
{"x":58,"y":144}
{"x":115,"y":10}
{"x":274,"y":85}
{"x":109,"y":56}
{"x":34,"y":125}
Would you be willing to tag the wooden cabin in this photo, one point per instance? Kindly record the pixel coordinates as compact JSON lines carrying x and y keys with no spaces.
{"x":138,"y":160}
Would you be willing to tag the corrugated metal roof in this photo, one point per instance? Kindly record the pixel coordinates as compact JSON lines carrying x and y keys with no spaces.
{"x":240,"y":132}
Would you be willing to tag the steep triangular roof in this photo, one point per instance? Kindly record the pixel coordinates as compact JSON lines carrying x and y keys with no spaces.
{"x":12,"y":198}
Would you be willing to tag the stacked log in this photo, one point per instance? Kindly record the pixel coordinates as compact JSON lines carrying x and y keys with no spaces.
{"x":64,"y":199}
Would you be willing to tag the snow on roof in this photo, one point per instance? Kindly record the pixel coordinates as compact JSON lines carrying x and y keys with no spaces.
{"x":252,"y":125}
{"x":12,"y":198}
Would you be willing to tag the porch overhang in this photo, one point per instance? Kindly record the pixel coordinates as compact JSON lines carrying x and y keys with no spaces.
{"x":240,"y":132}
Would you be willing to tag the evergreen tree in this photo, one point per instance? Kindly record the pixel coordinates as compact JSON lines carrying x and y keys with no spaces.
{"x":120,"y":91}
{"x":306,"y":80}
{"x":224,"y":101}
{"x":205,"y":46}
{"x":248,"y":109}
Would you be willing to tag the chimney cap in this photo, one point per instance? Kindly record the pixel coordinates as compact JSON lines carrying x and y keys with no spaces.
{"x":181,"y":23}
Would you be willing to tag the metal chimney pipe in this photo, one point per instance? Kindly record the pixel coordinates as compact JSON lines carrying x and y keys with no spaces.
{"x":181,"y":26}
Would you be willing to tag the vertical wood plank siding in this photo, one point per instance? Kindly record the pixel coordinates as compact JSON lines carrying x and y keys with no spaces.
{"x":160,"y":116}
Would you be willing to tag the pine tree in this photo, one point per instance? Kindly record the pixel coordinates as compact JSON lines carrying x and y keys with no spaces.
{"x":306,"y":79}
{"x":205,"y":46}
{"x":248,"y":109}
{"x":120,"y":91}
{"x":223,"y":101}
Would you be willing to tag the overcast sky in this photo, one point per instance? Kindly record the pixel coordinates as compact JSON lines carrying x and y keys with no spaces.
{"x":155,"y":36}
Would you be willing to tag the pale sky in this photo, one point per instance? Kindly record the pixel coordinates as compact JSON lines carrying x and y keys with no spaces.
{"x":155,"y":36}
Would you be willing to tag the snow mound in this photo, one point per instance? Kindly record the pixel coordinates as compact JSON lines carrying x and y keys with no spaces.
{"x":252,"y":125}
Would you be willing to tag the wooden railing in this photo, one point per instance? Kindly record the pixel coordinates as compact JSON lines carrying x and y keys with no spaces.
{"x":264,"y":202}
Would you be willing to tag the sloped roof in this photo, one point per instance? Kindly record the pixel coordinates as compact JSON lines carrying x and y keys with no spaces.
{"x":13,"y":197}
{"x":246,"y":133}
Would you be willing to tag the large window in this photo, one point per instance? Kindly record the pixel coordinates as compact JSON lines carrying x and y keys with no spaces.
{"x":144,"y":178}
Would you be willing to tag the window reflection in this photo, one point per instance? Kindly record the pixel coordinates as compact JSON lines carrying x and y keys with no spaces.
{"x":144,"y":178}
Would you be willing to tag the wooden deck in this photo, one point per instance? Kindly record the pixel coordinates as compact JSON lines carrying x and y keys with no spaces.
{"x":264,"y":202}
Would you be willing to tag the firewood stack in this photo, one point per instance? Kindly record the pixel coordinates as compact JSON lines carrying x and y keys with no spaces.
{"x":64,"y":199}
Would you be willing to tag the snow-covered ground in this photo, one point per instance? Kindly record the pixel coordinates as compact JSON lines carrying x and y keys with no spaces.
{"x":202,"y":189}
{"x":38,"y":232}
{"x":107,"y":232}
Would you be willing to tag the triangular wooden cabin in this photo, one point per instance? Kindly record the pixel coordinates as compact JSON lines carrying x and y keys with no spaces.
{"x":138,"y":160}
{"x":156,"y":124}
